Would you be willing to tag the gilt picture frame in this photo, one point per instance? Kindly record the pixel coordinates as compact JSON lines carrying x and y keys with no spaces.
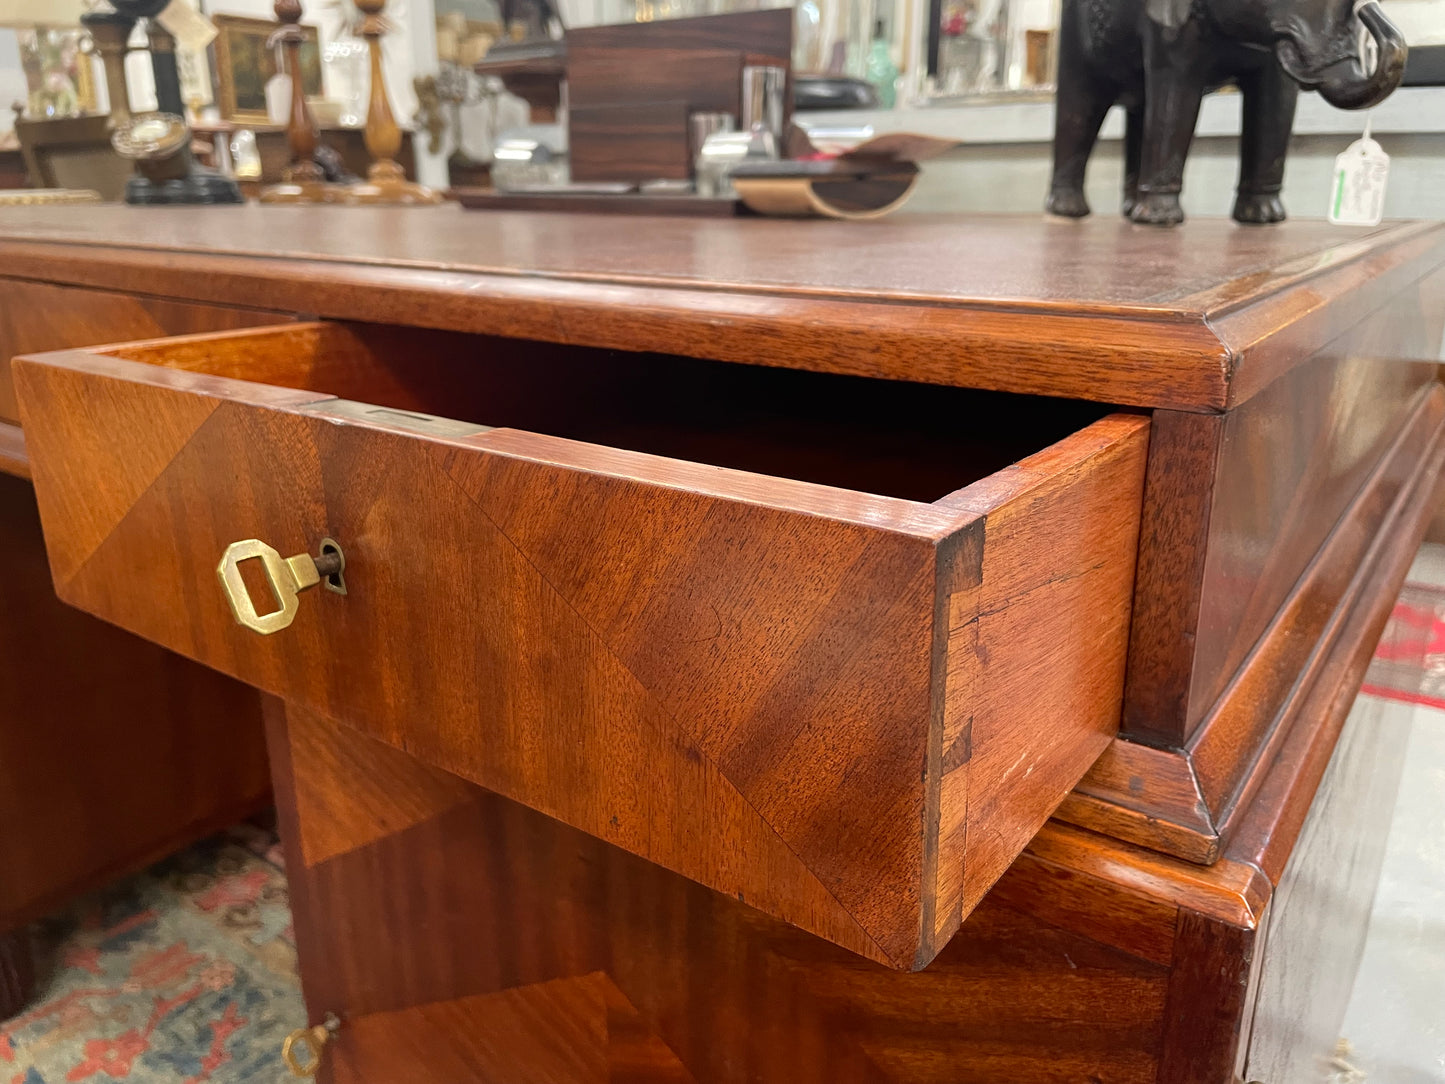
{"x":244,"y":64}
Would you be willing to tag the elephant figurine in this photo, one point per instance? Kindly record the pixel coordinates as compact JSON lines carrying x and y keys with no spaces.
{"x":1157,"y":58}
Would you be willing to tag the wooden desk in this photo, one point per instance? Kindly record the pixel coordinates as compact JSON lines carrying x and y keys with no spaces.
{"x":686,"y":719}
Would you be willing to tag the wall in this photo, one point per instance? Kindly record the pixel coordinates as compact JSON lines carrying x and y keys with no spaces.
{"x":1421,"y":21}
{"x":12,"y":78}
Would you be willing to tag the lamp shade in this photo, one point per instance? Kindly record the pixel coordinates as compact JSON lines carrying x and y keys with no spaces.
{"x":26,"y":13}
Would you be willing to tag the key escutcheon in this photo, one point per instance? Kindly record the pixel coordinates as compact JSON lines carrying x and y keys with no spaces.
{"x":287,"y":576}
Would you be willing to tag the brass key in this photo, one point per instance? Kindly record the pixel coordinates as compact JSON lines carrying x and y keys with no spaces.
{"x":312,"y":1041}
{"x":288,"y":577}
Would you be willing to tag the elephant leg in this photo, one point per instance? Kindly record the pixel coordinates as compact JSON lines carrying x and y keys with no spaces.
{"x":1082,"y":101}
{"x":1269,"y":103}
{"x":1173,"y":88}
{"x":1133,"y":149}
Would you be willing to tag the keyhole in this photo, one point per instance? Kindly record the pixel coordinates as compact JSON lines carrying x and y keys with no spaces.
{"x":331,"y":564}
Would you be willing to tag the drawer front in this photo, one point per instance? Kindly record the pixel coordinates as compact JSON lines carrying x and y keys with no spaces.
{"x":820,"y":701}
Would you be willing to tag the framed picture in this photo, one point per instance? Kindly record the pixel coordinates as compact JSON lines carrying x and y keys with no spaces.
{"x":244,"y":65}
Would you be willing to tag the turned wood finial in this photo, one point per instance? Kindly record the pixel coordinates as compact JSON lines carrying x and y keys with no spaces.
{"x":300,"y":127}
{"x":110,"y":31}
{"x":385,"y":181}
{"x":383,"y":137}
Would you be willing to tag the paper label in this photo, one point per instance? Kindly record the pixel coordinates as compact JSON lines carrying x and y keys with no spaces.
{"x":192,"y":30}
{"x":1358,"y":197}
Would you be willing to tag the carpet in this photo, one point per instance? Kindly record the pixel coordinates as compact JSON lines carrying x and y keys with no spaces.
{"x":1409,"y":663}
{"x":183,"y":974}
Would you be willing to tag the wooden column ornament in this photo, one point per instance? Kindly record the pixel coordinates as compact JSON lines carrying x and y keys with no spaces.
{"x":110,"y":30}
{"x":385,"y":180}
{"x":302,"y":181}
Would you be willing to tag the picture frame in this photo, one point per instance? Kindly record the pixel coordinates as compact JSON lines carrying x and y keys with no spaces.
{"x":244,"y":65}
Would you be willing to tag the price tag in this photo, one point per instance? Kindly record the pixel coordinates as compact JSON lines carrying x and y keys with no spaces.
{"x":1358,"y":197}
{"x":192,"y":30}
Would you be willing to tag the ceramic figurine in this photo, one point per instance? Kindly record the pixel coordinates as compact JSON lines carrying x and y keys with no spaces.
{"x":1157,"y":58}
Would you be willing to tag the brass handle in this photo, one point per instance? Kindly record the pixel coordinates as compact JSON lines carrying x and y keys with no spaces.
{"x":288,"y":577}
{"x":312,"y":1041}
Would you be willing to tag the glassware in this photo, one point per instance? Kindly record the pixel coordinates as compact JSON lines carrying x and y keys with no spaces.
{"x":245,"y":155}
{"x":346,"y":79}
{"x":882,"y":72}
{"x":58,"y":77}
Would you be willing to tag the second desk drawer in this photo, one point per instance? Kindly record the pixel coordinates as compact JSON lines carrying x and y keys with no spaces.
{"x":846,"y":683}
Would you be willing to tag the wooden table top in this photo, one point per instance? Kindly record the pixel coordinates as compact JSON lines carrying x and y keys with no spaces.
{"x":1197,"y":318}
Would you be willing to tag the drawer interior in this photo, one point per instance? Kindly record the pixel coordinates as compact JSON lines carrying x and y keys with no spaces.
{"x":913,"y":441}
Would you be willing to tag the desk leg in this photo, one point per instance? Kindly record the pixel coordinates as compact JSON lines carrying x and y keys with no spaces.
{"x":17,"y":972}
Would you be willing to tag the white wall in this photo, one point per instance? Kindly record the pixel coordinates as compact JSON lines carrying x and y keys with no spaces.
{"x":1421,"y":21}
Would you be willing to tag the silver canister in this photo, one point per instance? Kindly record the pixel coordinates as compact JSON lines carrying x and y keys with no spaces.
{"x":763,"y":89}
{"x":702,"y":125}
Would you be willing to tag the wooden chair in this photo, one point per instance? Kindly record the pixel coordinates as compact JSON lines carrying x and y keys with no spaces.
{"x":72,"y":152}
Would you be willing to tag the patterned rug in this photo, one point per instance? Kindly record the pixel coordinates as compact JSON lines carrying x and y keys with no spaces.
{"x":1409,"y":663}
{"x":183,"y":974}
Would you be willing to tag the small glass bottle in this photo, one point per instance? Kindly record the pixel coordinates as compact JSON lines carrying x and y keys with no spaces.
{"x":882,"y":72}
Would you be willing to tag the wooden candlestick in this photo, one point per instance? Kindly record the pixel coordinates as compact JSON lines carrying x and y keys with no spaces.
{"x":302,"y":180}
{"x":385,"y":181}
{"x":110,"y":31}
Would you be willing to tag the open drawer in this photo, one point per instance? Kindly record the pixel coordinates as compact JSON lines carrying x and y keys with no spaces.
{"x":837,"y":647}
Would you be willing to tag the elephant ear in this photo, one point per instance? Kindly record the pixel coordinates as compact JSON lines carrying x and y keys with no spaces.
{"x":1169,"y":14}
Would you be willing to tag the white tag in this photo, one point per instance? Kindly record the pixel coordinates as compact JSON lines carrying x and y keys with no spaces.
{"x":192,"y":30}
{"x":1358,"y":196}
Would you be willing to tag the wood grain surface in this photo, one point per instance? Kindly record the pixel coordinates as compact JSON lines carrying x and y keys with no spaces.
{"x":1239,"y":504}
{"x":1173,"y":548}
{"x":13,"y":458}
{"x":1095,"y":310}
{"x":763,"y":683}
{"x":632,"y":88}
{"x":708,"y":80}
{"x":549,"y":955}
{"x":113,"y":752}
{"x":629,"y":141}
{"x":1186,"y":802}
{"x":37,"y":316}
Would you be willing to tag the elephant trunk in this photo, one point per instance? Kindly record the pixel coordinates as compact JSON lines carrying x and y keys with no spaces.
{"x":1358,"y":90}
